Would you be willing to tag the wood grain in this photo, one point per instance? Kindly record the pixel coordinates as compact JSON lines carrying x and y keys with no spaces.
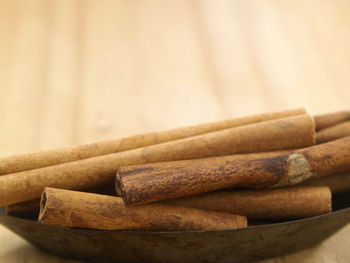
{"x":74,"y":71}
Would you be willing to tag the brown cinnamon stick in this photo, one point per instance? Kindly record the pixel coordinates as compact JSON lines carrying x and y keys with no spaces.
{"x":30,"y":209}
{"x":140,"y":184}
{"x":281,"y":203}
{"x":326,"y":120}
{"x":243,"y":202}
{"x":333,"y":132}
{"x":46,"y":158}
{"x":286,"y":133}
{"x":225,"y":158}
{"x":338,"y":183}
{"x":85,"y":210}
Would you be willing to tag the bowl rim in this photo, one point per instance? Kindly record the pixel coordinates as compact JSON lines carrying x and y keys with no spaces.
{"x":240,"y":229}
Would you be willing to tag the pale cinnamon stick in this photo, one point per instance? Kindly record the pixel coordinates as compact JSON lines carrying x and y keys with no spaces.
{"x":46,"y":158}
{"x":140,"y":184}
{"x":286,"y":133}
{"x":281,"y":203}
{"x":326,"y":120}
{"x":85,"y":210}
{"x":333,"y":132}
{"x":338,"y":183}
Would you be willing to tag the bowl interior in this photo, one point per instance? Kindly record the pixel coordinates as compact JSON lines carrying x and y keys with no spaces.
{"x":231,"y":245}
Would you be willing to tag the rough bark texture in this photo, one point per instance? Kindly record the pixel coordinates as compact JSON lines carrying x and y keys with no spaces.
{"x":86,"y":210}
{"x":35,"y":160}
{"x":333,"y":132}
{"x":141,"y":184}
{"x":282,"y":203}
{"x":338,"y":183}
{"x":286,"y":133}
{"x":330,"y":119}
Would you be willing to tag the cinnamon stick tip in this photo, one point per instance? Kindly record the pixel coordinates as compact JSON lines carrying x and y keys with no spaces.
{"x":118,"y":184}
{"x":330,"y":208}
{"x":43,"y":202}
{"x":313,"y":123}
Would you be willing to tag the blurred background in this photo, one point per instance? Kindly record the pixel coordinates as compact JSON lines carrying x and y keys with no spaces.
{"x":77,"y":71}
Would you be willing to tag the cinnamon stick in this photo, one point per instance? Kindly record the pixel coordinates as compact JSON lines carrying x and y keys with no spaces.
{"x":338,"y":183}
{"x":30,"y":209}
{"x":286,"y":133}
{"x":281,"y":203}
{"x":225,"y":158}
{"x":326,"y":120}
{"x":140,"y":184}
{"x":333,"y":132}
{"x":29,"y":161}
{"x":85,"y":210}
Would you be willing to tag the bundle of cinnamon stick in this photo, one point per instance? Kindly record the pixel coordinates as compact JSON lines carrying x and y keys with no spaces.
{"x":283,"y":165}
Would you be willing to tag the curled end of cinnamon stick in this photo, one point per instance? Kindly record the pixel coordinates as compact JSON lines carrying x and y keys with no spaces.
{"x":42,"y":213}
{"x":118,"y":184}
{"x":313,"y":123}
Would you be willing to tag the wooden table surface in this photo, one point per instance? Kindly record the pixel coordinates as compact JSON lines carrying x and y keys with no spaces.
{"x":76,"y":71}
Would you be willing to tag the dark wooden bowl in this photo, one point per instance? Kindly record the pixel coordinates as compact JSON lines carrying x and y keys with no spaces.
{"x":236,"y":245}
